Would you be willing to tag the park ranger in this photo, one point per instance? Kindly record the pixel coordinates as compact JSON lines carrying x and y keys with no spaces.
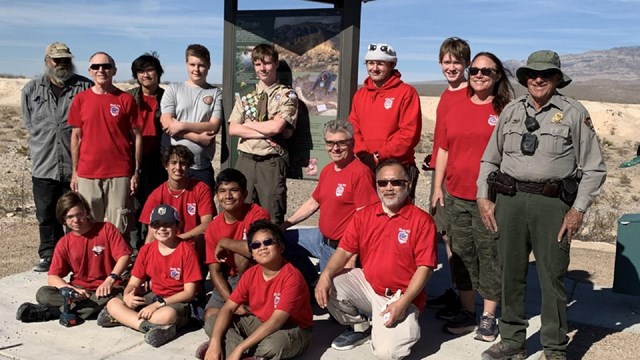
{"x":539,"y":173}
{"x":263,"y":118}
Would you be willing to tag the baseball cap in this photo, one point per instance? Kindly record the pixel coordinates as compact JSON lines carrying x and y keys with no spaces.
{"x":58,"y":50}
{"x":381,"y":52}
{"x":165,"y":214}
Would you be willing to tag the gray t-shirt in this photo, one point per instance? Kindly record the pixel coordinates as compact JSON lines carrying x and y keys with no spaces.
{"x":192,"y":104}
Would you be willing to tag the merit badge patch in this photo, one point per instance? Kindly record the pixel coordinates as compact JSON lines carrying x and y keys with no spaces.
{"x":388,"y":103}
{"x":175,"y":272}
{"x":97,"y":250}
{"x":114,"y":109}
{"x":403,"y":235}
{"x":277,"y":97}
{"x":340,"y":189}
{"x":493,"y":120}
{"x":208,"y":100}
{"x":292,"y":95}
{"x":191,"y":208}
{"x":276,"y":299}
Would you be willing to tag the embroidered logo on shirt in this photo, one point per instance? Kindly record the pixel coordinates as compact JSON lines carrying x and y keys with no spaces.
{"x":388,"y":103}
{"x":493,"y":120}
{"x":114,"y":109}
{"x":208,"y":100}
{"x":277,"y":97}
{"x":191,"y":208}
{"x":276,"y":299}
{"x":175,"y":273}
{"x":340,"y":189}
{"x":97,"y":250}
{"x":403,"y":235}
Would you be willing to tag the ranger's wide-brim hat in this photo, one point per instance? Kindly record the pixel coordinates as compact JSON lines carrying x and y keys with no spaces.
{"x":539,"y":61}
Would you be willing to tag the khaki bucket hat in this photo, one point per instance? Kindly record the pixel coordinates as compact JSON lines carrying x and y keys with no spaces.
{"x":539,"y":61}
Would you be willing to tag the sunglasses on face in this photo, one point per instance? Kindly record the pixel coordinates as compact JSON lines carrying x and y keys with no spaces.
{"x":106,"y":66}
{"x":255,"y":245}
{"x":158,"y":225}
{"x":61,"y":60}
{"x":341,"y":143}
{"x":394,"y":182}
{"x":483,"y":71}
{"x":383,"y":48}
{"x":544,"y":74}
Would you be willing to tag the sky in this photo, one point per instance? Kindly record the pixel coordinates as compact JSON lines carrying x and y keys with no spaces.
{"x":511,"y":29}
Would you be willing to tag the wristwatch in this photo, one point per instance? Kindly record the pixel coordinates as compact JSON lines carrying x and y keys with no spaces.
{"x":160,"y":300}
{"x":114,"y":276}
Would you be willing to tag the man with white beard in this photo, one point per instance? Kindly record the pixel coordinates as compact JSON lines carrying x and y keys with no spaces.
{"x":396,"y":243}
{"x":45,"y":106}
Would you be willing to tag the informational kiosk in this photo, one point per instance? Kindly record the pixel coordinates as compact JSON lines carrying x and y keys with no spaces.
{"x":318,"y":58}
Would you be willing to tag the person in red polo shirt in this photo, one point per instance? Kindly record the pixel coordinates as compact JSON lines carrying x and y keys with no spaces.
{"x":396,"y":243}
{"x":93,"y":252}
{"x":275,"y":291}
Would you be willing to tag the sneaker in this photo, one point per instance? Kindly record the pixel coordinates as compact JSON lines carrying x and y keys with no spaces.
{"x":464,"y":322}
{"x":42,"y":265}
{"x":201,"y":351}
{"x":502,"y":351}
{"x":29,"y":312}
{"x":442,"y":301}
{"x":106,"y":320}
{"x":350,"y":339}
{"x":449,"y":311}
{"x":160,"y":335}
{"x":487,"y":329}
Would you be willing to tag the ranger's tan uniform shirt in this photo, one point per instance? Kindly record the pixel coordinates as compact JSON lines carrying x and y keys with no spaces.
{"x":566,"y":141}
{"x":281,"y":100}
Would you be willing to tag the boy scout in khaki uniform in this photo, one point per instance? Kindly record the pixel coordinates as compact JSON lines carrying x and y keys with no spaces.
{"x":544,"y":166}
{"x":263,"y":119}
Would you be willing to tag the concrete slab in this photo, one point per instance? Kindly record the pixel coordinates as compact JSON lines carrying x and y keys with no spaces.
{"x":588,"y":304}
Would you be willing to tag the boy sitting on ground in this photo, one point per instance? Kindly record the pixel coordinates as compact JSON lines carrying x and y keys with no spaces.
{"x":172,"y":266}
{"x":275,"y":291}
{"x":93,"y":252}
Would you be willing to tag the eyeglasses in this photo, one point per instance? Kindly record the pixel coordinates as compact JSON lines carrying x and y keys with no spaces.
{"x":255,"y":245}
{"x":529,"y":142}
{"x":383,"y":48}
{"x":341,"y":143}
{"x":79,"y":215}
{"x":158,"y":225}
{"x":61,"y":60}
{"x":483,"y":71}
{"x":105,"y":66}
{"x":394,"y":182}
{"x":544,"y":74}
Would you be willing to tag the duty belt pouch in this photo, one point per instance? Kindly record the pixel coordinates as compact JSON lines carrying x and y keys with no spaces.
{"x":569,"y":190}
{"x":502,"y":183}
{"x":551,"y":188}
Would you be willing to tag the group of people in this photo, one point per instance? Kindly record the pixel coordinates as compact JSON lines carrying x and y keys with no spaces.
{"x":511,"y":176}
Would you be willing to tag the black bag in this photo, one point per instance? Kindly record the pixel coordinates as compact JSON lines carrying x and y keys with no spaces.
{"x":569,"y":190}
{"x":500,"y":183}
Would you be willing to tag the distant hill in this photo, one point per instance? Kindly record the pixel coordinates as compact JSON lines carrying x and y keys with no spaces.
{"x":621,"y":63}
{"x":600,"y":75}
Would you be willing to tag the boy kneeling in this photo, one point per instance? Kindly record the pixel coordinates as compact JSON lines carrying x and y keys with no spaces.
{"x":172,"y":266}
{"x":276,"y":293}
{"x":93,"y":252}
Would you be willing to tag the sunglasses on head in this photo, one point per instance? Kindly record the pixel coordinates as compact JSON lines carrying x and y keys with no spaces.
{"x":383,"y":48}
{"x":545,"y":74}
{"x":255,"y":245}
{"x":394,"y":182}
{"x":483,"y":71}
{"x":105,"y":66}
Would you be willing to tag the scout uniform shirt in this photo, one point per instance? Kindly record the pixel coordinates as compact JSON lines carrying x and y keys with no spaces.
{"x":281,"y":100}
{"x":566,"y":141}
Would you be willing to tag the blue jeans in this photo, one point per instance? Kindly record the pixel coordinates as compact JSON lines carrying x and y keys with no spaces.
{"x":311,"y":240}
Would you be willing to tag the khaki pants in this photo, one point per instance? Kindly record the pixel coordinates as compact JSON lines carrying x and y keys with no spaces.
{"x":285,"y":343}
{"x":109,"y":201}
{"x":352,"y":295}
